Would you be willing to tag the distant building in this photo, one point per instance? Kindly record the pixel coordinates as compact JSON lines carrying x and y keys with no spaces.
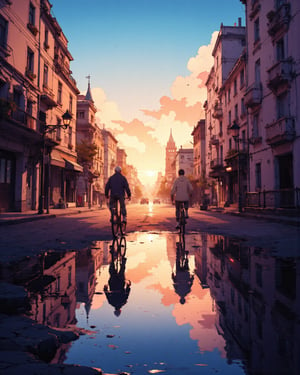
{"x":110,"y":153}
{"x":170,"y":167}
{"x":90,"y":184}
{"x":185,"y":160}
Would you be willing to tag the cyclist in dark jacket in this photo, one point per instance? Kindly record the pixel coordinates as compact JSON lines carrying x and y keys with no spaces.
{"x":115,"y":189}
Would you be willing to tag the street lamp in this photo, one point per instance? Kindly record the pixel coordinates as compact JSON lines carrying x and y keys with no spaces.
{"x":66,"y":117}
{"x":235,"y":131}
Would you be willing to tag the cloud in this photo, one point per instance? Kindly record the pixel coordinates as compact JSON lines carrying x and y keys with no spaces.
{"x":183,"y":112}
{"x":181,"y":130}
{"x":129,"y":141}
{"x":108,"y":112}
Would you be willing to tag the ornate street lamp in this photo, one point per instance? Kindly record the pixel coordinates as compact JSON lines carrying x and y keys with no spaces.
{"x":235,"y":132}
{"x":66,"y":117}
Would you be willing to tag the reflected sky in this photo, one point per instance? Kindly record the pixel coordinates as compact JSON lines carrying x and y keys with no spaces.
{"x":155,"y":332}
{"x":155,"y":303}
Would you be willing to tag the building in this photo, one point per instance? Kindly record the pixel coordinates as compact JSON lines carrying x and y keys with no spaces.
{"x":38,"y":161}
{"x":90,"y":146}
{"x":185,"y":160}
{"x":199,"y":171}
{"x":273,"y":102}
{"x":222,"y":109}
{"x":110,"y":153}
{"x":170,"y":167}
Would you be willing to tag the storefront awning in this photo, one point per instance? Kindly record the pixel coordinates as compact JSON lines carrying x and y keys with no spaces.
{"x":72,"y":166}
{"x":57,"y":160}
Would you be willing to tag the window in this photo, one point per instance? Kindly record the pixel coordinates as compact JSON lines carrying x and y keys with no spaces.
{"x":229,"y":118}
{"x":3,"y":31}
{"x":257,"y":71}
{"x":244,"y":140}
{"x":221,"y":128}
{"x":58,"y":130}
{"x":255,"y":131}
{"x":280,"y":50}
{"x":256,"y":31}
{"x":31,"y":14}
{"x":59,"y":93}
{"x":81,"y":114}
{"x":242,"y":78}
{"x":235,"y":87}
{"x":45,"y":76}
{"x":236,"y":112}
{"x":5,"y":171}
{"x":281,"y":106}
{"x":243,"y":107}
{"x":228,"y":95}
{"x":258,"y":176}
{"x":70,"y":136}
{"x":46,"y":39}
{"x":30,"y":61}
{"x":71,"y":104}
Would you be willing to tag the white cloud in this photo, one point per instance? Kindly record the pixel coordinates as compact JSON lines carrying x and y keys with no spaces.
{"x":181,"y":131}
{"x":188,"y":87}
{"x":128,"y":141}
{"x":107,"y":111}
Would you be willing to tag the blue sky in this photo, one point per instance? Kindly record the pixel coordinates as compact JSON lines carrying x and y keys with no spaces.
{"x":135,"y":50}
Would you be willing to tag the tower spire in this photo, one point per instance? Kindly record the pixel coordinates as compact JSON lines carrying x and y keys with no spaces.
{"x":88,"y":95}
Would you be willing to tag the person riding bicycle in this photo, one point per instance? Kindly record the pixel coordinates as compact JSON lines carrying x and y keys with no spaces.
{"x":182,"y":191}
{"x":115,"y":189}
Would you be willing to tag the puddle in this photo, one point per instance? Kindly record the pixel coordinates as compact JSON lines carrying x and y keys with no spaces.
{"x":207,"y":305}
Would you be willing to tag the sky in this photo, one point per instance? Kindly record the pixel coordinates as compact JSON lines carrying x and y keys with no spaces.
{"x":148,"y":61}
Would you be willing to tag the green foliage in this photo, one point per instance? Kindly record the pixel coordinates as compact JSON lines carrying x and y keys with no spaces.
{"x":86,"y":152}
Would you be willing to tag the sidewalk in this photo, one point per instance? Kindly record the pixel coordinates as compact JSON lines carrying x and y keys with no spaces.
{"x":10,"y":218}
{"x":260,"y":215}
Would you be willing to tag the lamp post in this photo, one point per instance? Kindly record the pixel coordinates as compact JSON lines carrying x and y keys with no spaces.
{"x":235,"y":131}
{"x":67,"y":117}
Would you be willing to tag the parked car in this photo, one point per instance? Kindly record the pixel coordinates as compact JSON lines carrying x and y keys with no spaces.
{"x":156,"y":201}
{"x":144,"y":201}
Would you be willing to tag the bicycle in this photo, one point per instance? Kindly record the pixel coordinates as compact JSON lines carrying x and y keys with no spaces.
{"x":118,"y":252}
{"x":118,"y":227}
{"x":182,"y":218}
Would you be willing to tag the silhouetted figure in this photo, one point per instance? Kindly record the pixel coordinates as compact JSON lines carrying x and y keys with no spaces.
{"x":118,"y":288}
{"x":182,"y":279}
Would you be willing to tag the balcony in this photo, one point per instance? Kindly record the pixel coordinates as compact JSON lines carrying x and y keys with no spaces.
{"x":47,"y":97}
{"x":253,"y":95}
{"x":280,"y":74}
{"x":280,"y":131}
{"x":217,"y":168}
{"x":217,"y":111}
{"x":5,"y":50}
{"x":279,"y":19}
{"x":214,"y":140}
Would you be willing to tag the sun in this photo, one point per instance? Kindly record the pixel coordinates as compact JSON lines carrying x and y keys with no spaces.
{"x":150,"y":173}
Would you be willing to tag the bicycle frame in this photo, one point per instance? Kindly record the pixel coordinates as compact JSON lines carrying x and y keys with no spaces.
{"x":182,"y":219}
{"x":118,"y":227}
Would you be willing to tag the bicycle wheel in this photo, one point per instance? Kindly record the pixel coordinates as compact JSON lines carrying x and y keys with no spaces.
{"x":182,"y":221}
{"x":122,"y":246}
{"x":115,"y":226}
{"x":122,"y":227}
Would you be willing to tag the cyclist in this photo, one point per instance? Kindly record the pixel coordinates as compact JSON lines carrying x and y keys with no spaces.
{"x":182,"y":191}
{"x":115,"y":188}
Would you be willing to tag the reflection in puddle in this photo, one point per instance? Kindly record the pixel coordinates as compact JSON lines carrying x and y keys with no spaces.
{"x":156,"y":303}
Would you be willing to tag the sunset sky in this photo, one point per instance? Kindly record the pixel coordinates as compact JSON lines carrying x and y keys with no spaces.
{"x":148,"y":61}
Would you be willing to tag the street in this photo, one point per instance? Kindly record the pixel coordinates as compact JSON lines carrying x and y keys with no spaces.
{"x":72,"y":232}
{"x":222,"y":289}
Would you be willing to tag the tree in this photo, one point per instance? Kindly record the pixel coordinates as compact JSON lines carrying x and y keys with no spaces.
{"x":86,"y":152}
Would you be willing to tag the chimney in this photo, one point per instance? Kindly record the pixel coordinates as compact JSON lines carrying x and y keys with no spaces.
{"x":240,"y":21}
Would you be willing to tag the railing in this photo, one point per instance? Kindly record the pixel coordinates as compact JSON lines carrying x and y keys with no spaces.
{"x":283,"y":198}
{"x":24,"y":119}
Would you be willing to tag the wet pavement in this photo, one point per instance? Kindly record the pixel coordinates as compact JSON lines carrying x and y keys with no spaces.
{"x":226,"y":303}
{"x":210,"y":304}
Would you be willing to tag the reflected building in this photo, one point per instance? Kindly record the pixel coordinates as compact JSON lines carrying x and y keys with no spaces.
{"x":257,"y":300}
{"x":51,"y":290}
{"x":88,"y":261}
